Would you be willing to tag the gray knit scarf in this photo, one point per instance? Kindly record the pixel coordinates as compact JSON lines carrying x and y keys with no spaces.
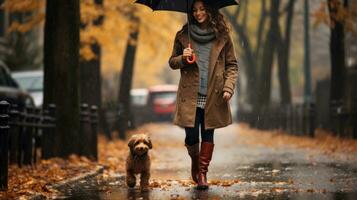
{"x":201,"y":35}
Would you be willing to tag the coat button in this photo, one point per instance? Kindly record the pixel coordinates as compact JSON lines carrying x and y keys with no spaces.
{"x":216,"y":91}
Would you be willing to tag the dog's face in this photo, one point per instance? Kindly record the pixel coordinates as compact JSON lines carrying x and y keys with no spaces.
{"x":139,"y":144}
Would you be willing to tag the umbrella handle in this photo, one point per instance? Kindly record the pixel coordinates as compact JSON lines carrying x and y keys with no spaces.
{"x":191,"y":59}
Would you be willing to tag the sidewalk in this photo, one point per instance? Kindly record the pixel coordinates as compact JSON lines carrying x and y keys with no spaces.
{"x":40,"y":180}
{"x":246,"y":162}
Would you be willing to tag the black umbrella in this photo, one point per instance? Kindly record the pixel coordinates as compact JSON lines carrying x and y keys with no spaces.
{"x":184,"y":6}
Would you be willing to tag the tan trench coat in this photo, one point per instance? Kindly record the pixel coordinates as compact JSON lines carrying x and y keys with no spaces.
{"x":222,"y":76}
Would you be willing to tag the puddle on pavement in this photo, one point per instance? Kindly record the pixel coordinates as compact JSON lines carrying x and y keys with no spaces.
{"x":266,"y":180}
{"x":116,"y":189}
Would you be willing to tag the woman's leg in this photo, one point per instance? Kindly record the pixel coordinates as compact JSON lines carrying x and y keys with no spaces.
{"x":193,"y":147}
{"x":207,"y":135}
{"x":192,"y":134}
{"x":206,"y":152}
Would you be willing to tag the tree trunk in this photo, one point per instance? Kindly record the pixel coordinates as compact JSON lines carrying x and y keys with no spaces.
{"x":262,"y":20}
{"x":250,"y":55}
{"x":91,"y":89}
{"x":251,"y":63}
{"x":283,"y":56}
{"x":268,"y":57}
{"x":337,"y":52}
{"x":126,"y":79}
{"x":61,"y":60}
{"x":247,"y":56}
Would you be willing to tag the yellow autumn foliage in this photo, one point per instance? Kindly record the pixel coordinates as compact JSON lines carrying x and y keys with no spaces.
{"x":23,"y":5}
{"x":156,"y":34}
{"x":347,"y":16}
{"x":35,"y":7}
{"x":157,"y":31}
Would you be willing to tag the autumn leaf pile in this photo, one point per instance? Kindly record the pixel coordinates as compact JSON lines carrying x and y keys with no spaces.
{"x":37,"y":179}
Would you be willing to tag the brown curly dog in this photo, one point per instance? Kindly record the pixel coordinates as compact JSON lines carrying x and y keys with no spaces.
{"x":138,"y":161}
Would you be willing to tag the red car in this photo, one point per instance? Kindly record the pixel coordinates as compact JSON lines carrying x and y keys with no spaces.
{"x":162,"y":101}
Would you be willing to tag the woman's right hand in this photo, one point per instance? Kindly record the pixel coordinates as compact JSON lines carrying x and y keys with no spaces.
{"x":187,"y":53}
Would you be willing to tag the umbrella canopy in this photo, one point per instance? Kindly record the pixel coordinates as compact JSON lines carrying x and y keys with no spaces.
{"x":183,"y":5}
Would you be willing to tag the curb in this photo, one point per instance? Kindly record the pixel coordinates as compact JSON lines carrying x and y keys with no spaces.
{"x":71,"y":181}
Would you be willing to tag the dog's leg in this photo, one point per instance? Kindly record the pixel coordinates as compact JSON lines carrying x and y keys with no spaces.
{"x":144,"y":181}
{"x":130,"y":179}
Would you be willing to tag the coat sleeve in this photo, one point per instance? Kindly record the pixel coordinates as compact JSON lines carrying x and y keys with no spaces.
{"x":231,"y":67}
{"x":175,"y":60}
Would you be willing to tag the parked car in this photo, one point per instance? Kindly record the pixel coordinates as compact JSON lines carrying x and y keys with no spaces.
{"x":139,"y":96}
{"x":162,"y":101}
{"x":32,"y":82}
{"x":10,"y":90}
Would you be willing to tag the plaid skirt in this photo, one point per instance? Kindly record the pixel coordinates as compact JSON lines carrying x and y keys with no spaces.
{"x":201,"y":101}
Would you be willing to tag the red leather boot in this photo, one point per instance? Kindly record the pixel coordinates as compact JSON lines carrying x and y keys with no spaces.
{"x":194,"y":152}
{"x":205,"y":159}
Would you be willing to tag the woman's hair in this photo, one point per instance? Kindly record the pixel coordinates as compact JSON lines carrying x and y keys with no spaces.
{"x":215,"y":19}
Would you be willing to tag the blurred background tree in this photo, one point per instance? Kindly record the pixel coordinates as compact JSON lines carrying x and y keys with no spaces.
{"x":22,"y":53}
{"x":340,"y":16}
{"x":21,"y":38}
{"x":263,"y":40}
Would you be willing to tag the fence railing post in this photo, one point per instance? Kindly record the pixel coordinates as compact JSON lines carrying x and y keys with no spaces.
{"x":22,"y":134}
{"x":37,"y":133}
{"x":288,"y":118}
{"x":295,"y":120}
{"x":354,"y":118}
{"x":334,"y":116}
{"x":305,"y":118}
{"x":45,"y":142}
{"x":4,"y":144}
{"x":94,"y":123}
{"x":340,"y":127}
{"x":28,"y":136}
{"x":283,"y":117}
{"x":298,"y":120}
{"x":48,"y":137}
{"x":301,"y":120}
{"x":312,"y":116}
{"x":14,"y":134}
{"x":85,"y":131}
{"x":52,"y":109}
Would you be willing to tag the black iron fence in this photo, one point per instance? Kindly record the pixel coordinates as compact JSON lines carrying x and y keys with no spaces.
{"x":297,"y":119}
{"x":300,"y":119}
{"x":27,"y":135}
{"x":344,"y":118}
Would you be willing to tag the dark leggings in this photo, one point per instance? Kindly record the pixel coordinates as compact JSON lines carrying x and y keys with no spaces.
{"x":192,"y":134}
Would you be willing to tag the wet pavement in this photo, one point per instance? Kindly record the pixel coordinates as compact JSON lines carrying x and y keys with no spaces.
{"x":237,"y":171}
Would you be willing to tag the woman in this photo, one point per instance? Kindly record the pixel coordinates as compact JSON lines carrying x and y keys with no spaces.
{"x":206,"y":85}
